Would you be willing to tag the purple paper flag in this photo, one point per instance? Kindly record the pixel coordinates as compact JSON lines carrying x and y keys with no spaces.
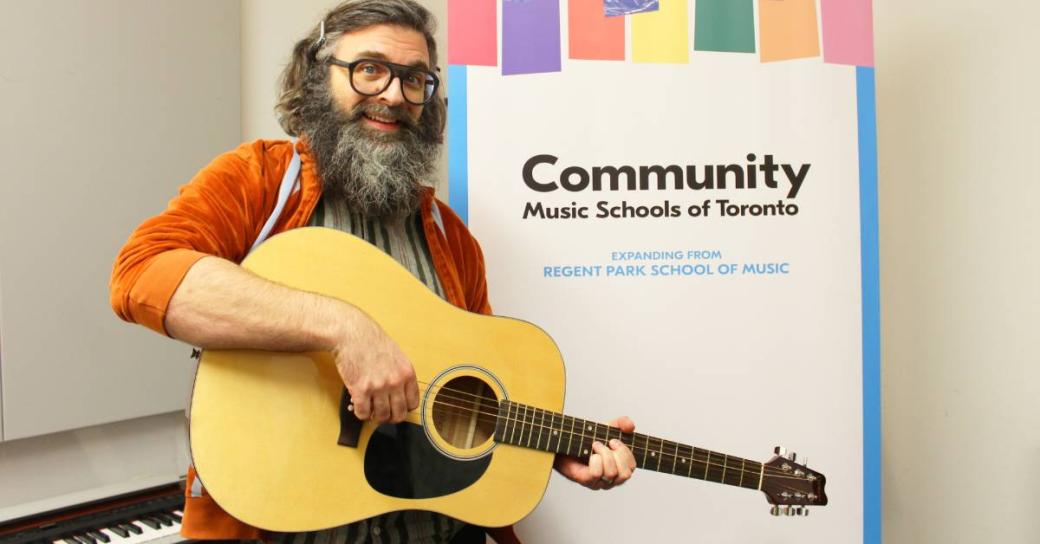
{"x":530,"y":36}
{"x":626,"y":7}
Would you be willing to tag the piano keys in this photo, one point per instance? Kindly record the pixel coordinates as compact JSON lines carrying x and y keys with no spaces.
{"x":150,"y":516}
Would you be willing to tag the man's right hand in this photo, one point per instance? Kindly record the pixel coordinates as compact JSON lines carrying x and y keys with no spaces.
{"x":378,"y":375}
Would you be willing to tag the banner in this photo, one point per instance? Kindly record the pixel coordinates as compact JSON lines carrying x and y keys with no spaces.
{"x":698,"y":232}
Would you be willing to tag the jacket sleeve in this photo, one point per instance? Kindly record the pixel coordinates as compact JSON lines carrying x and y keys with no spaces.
{"x":217,"y":213}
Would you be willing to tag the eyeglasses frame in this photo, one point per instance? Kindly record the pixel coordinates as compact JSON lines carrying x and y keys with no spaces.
{"x":396,"y":70}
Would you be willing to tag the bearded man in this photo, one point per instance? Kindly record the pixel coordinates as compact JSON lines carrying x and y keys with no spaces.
{"x":361,"y":93}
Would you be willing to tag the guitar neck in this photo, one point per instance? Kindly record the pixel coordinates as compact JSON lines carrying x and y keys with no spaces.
{"x":529,"y":427}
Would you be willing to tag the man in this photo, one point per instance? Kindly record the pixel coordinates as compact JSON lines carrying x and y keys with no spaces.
{"x":361,"y":93}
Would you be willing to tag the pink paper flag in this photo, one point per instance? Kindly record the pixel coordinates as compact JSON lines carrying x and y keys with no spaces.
{"x":848,"y":32}
{"x":473,"y":32}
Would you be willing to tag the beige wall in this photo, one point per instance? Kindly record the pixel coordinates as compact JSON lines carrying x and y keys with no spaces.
{"x":959,"y":134}
{"x":958,"y":131}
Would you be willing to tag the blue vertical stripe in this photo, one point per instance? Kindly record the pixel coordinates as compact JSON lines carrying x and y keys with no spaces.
{"x":458,"y":142}
{"x":868,"y":211}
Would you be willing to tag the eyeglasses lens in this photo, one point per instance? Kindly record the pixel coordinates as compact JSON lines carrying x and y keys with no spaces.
{"x":372,"y":78}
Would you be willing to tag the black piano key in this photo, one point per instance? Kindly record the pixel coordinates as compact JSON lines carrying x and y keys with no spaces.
{"x":119,"y":530}
{"x":175,"y":516}
{"x":150,"y":522}
{"x":83,"y":539}
{"x":133,"y":528}
{"x":168,"y":518}
{"x":98,"y":535}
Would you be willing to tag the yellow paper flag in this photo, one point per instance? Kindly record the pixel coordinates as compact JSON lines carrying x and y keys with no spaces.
{"x":662,"y":36}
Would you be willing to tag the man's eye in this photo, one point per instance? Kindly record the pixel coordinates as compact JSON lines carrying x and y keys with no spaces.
{"x":414,"y":79}
{"x":370,"y":69}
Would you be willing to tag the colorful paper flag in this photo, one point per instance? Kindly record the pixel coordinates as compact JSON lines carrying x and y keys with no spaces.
{"x":593,"y":35}
{"x":473,"y":32}
{"x":724,"y":25}
{"x":787,"y":29}
{"x":848,"y":32}
{"x":662,"y":36}
{"x":530,"y":36}
{"x":614,"y":8}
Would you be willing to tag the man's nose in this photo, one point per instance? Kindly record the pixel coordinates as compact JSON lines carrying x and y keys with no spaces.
{"x":392,"y":96}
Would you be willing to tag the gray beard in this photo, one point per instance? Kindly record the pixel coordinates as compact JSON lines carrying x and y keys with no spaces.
{"x":376,"y":174}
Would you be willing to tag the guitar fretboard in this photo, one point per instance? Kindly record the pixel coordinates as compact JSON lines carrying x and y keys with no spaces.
{"x":525,"y":426}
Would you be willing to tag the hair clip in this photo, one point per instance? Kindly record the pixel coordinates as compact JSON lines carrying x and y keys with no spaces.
{"x":321,"y":39}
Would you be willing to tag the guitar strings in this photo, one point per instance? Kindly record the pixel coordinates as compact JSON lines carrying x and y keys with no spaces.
{"x":769,"y":471}
{"x":492,"y":417}
{"x":703,"y":458}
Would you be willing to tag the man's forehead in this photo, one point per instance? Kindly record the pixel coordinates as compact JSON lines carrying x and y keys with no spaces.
{"x":398,"y":44}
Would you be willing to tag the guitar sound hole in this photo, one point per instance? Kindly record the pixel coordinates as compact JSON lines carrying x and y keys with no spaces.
{"x":464,"y":412}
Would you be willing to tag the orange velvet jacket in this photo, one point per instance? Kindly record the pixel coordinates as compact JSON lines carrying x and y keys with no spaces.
{"x":221,"y":212}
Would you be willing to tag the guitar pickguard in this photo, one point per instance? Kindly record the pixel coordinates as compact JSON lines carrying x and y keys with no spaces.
{"x":401,"y":462}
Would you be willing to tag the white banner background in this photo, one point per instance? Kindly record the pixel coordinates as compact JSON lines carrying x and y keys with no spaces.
{"x":737,"y":363}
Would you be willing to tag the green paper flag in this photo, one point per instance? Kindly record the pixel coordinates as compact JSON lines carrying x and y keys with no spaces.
{"x":724,"y":25}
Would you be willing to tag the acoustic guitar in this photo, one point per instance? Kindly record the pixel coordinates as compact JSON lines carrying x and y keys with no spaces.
{"x":275,"y":443}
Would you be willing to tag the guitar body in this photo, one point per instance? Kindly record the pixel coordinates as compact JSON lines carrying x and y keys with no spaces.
{"x":264,"y":426}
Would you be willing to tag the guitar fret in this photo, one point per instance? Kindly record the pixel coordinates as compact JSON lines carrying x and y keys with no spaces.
{"x":511,"y":419}
{"x":675,"y":459}
{"x":725,"y":463}
{"x":502,"y":421}
{"x":530,"y":426}
{"x":514,"y":409}
{"x":525,"y":426}
{"x":552,"y":432}
{"x":570,"y":436}
{"x":521,"y":412}
{"x":581,"y":445}
{"x":707,"y":464}
{"x":540,"y":414}
{"x":547,"y":419}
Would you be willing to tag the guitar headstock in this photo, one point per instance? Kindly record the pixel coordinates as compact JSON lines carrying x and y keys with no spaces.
{"x":790,"y":486}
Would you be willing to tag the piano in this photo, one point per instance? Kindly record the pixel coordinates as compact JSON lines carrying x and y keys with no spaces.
{"x":152,"y":515}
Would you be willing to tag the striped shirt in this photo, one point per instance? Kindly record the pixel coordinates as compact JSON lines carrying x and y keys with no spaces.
{"x":405,"y":241}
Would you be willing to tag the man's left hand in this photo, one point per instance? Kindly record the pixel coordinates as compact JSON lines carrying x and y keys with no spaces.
{"x":609,"y":465}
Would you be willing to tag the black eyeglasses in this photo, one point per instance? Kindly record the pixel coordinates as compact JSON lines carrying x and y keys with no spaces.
{"x":371,"y":77}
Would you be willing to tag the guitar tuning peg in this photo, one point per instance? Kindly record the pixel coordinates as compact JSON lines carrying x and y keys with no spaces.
{"x":805,"y":461}
{"x":805,"y":511}
{"x":781,"y":451}
{"x":775,"y":510}
{"x":792,"y":457}
{"x":796,"y":510}
{"x":787,"y":511}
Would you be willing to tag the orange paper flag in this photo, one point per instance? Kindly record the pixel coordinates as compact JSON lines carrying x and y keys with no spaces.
{"x":593,"y":35}
{"x":787,"y":29}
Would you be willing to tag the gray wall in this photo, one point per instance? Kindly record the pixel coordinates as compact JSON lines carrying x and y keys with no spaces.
{"x":959,"y":131}
{"x":109,"y":106}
